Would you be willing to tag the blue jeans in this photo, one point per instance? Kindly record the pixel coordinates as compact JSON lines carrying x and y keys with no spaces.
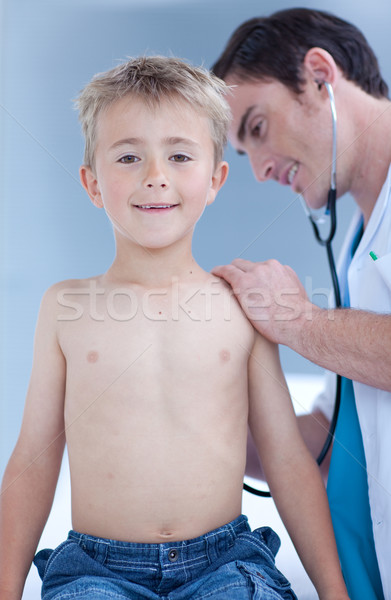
{"x":228,"y":563}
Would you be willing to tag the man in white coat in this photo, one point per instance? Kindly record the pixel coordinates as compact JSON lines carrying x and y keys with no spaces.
{"x":281,"y":119}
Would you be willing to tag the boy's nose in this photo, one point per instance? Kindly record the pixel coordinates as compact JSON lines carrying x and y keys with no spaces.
{"x":156,"y":176}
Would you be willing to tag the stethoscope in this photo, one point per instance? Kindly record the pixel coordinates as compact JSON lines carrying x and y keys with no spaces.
{"x":325,"y":242}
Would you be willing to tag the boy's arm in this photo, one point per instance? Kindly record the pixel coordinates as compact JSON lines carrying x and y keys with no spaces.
{"x":31,"y":475}
{"x":291,"y":472}
{"x":313,"y":427}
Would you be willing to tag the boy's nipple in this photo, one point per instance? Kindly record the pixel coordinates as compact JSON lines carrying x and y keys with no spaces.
{"x":225,"y":355}
{"x":92,"y":356}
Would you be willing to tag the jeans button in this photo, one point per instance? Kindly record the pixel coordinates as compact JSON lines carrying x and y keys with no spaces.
{"x":173,"y":555}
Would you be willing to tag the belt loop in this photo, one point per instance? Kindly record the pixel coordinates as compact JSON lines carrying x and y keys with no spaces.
{"x":100,"y":551}
{"x":97,"y":550}
{"x":218,"y":542}
{"x":82,"y":541}
{"x":210,"y":548}
{"x":232,"y":535}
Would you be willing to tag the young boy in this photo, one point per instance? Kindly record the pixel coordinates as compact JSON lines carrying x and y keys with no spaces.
{"x":150,"y":373}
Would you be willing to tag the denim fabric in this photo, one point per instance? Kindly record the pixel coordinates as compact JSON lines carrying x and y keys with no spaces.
{"x":228,"y":563}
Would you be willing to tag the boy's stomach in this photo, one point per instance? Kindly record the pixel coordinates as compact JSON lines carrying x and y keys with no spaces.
{"x":158,"y":485}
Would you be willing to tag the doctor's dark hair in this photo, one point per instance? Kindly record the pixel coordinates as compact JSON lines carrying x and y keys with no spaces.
{"x":274,"y":47}
{"x":155,"y":79}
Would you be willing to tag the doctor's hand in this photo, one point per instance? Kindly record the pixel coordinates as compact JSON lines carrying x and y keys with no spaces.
{"x":271,"y":296}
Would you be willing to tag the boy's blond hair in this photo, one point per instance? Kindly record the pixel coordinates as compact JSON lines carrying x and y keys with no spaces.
{"x":153,"y":79}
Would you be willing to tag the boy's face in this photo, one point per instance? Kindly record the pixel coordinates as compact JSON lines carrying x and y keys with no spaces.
{"x":154,"y":170}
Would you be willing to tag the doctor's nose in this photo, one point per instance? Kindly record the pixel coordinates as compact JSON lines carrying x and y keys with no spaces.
{"x":263,"y":168}
{"x":155,"y":177}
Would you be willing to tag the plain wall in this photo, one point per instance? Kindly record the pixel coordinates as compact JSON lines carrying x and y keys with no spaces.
{"x":49,"y":229}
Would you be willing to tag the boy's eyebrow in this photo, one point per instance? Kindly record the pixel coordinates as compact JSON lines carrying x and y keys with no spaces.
{"x":129,"y":141}
{"x":242,"y":127}
{"x":170,"y":141}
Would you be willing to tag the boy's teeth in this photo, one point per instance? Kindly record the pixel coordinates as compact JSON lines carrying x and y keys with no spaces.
{"x":154,"y":206}
{"x":292,"y":173}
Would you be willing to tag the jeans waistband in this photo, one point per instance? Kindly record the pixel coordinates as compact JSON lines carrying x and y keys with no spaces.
{"x":205,"y":548}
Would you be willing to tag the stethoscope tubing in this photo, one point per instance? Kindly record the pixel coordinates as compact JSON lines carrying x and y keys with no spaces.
{"x":325,"y":242}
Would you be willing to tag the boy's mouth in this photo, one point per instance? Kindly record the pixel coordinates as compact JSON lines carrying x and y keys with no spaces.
{"x":155,"y":207}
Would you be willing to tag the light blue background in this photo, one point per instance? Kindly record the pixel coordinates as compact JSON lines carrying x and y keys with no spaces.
{"x":49,"y":229}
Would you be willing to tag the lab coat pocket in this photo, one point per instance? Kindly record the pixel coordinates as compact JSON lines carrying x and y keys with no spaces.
{"x":370,"y":284}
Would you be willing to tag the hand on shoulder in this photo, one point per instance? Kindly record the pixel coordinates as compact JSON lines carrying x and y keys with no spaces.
{"x":271,"y":295}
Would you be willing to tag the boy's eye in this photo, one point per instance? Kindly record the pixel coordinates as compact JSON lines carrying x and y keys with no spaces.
{"x":129,"y":158}
{"x":180,"y":158}
{"x":256,"y":131}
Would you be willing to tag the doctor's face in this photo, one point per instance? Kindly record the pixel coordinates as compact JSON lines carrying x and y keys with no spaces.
{"x":286,"y":136}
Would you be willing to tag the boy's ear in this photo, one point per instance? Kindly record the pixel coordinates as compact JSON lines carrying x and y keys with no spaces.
{"x":321,"y":66}
{"x":90,"y":184}
{"x":219,"y":177}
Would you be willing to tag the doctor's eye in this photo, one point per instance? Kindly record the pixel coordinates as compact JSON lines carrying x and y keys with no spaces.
{"x":180,"y":158}
{"x":128,"y":159}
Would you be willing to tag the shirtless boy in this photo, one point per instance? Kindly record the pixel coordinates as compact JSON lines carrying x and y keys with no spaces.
{"x":150,"y":373}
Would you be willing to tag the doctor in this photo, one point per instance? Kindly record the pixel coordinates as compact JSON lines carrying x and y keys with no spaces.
{"x":281,"y":120}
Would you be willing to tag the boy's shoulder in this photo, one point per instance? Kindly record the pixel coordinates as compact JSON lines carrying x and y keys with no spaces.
{"x":57,"y":288}
{"x":215,"y":286}
{"x":219,"y":283}
{"x":220,"y":286}
{"x":232,"y":309}
{"x":52,"y":297}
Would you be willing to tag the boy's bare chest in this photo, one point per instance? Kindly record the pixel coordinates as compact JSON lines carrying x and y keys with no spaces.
{"x":152,"y":337}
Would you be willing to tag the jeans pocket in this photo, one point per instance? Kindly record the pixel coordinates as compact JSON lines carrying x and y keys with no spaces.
{"x":44,"y":559}
{"x":267,"y":582}
{"x":41,"y":560}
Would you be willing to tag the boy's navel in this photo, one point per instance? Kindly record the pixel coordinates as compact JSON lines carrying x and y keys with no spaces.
{"x":92,"y":356}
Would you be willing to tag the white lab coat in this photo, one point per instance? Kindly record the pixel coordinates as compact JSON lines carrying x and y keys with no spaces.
{"x":369,"y":285}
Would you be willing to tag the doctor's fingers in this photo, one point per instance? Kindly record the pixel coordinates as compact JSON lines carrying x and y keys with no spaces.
{"x":242,"y":283}
{"x":230,"y":273}
{"x":271,"y":265}
{"x":244,"y":265}
{"x":241,"y":274}
{"x":273,"y":272}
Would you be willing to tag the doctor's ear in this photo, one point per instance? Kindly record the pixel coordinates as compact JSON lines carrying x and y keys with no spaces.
{"x":320,"y":66}
{"x":90,"y":184}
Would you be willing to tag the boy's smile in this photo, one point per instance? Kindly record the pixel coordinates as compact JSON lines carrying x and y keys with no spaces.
{"x":154,"y":170}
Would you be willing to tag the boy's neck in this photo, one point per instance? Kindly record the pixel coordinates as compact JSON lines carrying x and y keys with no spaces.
{"x":153,"y":268}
